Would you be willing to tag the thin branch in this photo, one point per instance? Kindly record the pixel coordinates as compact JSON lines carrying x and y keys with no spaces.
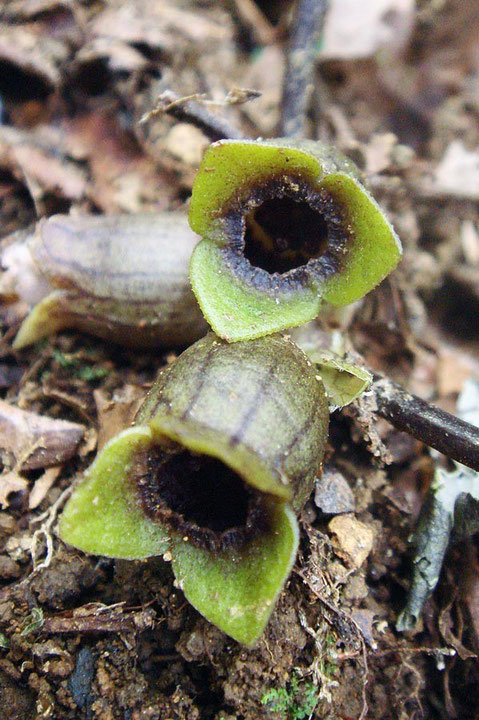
{"x":437,"y":428}
{"x":253,"y":18}
{"x":93,"y":619}
{"x":308,"y":24}
{"x":191,"y":111}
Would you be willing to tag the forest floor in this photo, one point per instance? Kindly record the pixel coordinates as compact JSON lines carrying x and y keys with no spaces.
{"x":89,"y":637}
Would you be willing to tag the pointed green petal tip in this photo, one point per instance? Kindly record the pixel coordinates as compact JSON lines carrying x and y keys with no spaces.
{"x":236,"y":591}
{"x":284,"y":228}
{"x":103,"y":516}
{"x":343,"y":380}
{"x":46,"y":318}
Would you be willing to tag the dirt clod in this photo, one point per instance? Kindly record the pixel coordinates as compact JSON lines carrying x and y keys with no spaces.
{"x":352,"y":539}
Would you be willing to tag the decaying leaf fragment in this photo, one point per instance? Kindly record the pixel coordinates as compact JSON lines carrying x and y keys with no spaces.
{"x":30,"y":441}
{"x":451,"y":510}
{"x":39,"y":159}
{"x":452,"y":507}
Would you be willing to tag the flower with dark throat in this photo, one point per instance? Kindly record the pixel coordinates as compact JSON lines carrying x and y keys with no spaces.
{"x":223,"y":454}
{"x":286,"y":227}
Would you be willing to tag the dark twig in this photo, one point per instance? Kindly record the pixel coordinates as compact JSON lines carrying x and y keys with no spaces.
{"x":437,"y":428}
{"x":250,"y":16}
{"x":191,"y":111}
{"x":106,"y":619}
{"x":308,"y":24}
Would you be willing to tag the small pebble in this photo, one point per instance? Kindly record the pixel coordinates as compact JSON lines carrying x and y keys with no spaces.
{"x":352,"y":539}
{"x":9,"y":569}
{"x":332,"y":494}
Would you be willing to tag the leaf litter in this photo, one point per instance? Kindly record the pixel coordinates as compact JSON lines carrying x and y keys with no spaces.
{"x":408,"y":114}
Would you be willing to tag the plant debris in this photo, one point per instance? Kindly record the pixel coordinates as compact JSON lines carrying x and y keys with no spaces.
{"x":31,"y":441}
{"x":400,"y":97}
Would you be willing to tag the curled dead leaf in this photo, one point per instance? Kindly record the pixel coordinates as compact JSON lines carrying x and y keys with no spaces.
{"x":34,"y":441}
{"x":42,"y":486}
{"x":10,"y":482}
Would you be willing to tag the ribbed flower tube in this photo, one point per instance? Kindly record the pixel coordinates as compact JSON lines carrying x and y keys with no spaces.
{"x":120,"y":277}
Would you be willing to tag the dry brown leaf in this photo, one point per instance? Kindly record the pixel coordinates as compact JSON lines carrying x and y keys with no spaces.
{"x":29,"y":9}
{"x":160,"y":25}
{"x":117,"y":413}
{"x":34,"y":441}
{"x":35,"y":57}
{"x":118,"y":56}
{"x":37,"y":159}
{"x":10,"y":482}
{"x":42,"y":486}
{"x":122,"y":178}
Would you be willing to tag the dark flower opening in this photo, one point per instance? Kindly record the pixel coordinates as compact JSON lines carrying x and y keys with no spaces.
{"x":200,"y":497}
{"x":282,"y":234}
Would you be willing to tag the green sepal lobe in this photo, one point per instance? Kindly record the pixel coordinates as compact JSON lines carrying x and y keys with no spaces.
{"x":236,"y":310}
{"x":103,"y":516}
{"x":236,"y":590}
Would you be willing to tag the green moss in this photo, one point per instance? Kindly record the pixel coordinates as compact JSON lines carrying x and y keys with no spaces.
{"x":296,"y":702}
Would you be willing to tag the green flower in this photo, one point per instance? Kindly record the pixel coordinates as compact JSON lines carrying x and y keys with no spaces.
{"x":224,"y":452}
{"x":285,"y":227}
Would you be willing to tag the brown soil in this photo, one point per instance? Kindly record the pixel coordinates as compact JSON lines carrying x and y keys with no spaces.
{"x":88,"y":637}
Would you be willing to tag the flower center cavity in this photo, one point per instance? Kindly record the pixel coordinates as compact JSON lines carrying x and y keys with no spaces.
{"x":199,"y":497}
{"x":282,"y":234}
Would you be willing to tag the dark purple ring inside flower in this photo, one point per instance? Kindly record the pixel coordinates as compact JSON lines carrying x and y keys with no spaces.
{"x":285,"y":231}
{"x":199,"y":497}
